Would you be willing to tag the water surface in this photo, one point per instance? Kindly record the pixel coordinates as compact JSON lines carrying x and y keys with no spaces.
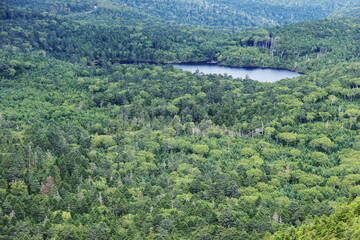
{"x":260,"y":74}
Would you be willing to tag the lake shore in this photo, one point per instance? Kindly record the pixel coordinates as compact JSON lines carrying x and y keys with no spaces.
{"x":217,"y":63}
{"x":255,"y":73}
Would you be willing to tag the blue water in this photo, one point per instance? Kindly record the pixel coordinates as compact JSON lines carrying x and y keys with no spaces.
{"x":260,"y":74}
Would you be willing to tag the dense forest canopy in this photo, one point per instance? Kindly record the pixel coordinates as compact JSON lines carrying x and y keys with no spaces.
{"x":301,"y":47}
{"x":91,"y":148}
{"x":218,"y":13}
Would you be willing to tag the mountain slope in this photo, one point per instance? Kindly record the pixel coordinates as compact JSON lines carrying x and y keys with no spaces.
{"x":92,"y":148}
{"x":151,"y":151}
{"x":300,"y":47}
{"x":218,"y":13}
{"x":343,"y":224}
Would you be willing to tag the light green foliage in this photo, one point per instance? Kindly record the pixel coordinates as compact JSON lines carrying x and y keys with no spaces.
{"x":323,"y":143}
{"x":200,"y":149}
{"x":270,"y":153}
{"x":247,"y":152}
{"x":91,"y":148}
{"x":342,"y":224}
{"x":333,"y":181}
{"x":308,"y":179}
{"x":270,"y":131}
{"x":102,"y":141}
{"x":18,"y":187}
{"x":310,"y":195}
{"x":294,"y":153}
{"x":320,"y":158}
{"x":172,"y":109}
{"x":254,"y":176}
{"x":289,"y":138}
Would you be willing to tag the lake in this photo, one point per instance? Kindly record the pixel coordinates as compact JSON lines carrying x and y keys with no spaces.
{"x":260,"y":74}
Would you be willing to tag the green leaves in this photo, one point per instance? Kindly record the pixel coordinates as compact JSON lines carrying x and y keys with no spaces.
{"x":18,"y":188}
{"x":323,"y":143}
{"x":102,"y":141}
{"x":342,"y":224}
{"x":149,"y":151}
{"x":289,"y":138}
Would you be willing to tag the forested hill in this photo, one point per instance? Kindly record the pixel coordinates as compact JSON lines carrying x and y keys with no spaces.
{"x":344,"y":224}
{"x":301,"y":47}
{"x":94,"y":149}
{"x":152,"y":152}
{"x":219,"y":13}
{"x":240,"y":13}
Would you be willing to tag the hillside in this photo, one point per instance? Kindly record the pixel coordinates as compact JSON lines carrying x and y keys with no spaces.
{"x":216,"y":13}
{"x":300,"y":47}
{"x":95,"y":145}
{"x":165,"y":158}
{"x":344,"y":224}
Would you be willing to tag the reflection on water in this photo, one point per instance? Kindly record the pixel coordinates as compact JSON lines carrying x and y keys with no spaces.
{"x":260,"y":74}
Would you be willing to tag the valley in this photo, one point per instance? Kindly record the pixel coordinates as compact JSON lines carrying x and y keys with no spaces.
{"x":97,"y":143}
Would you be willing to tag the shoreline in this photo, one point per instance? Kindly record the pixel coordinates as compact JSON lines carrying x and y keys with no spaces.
{"x":216,"y":63}
{"x":231,"y":66}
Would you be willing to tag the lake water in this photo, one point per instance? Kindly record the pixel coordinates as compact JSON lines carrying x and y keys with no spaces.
{"x":260,"y":74}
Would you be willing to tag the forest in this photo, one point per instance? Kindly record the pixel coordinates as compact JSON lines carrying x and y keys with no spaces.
{"x":204,"y":13}
{"x":102,"y":138}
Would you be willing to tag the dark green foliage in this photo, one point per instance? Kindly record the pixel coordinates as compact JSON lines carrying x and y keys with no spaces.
{"x":218,"y":13}
{"x":341,"y":225}
{"x":91,"y":148}
{"x":143,"y":148}
{"x":301,"y":47}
